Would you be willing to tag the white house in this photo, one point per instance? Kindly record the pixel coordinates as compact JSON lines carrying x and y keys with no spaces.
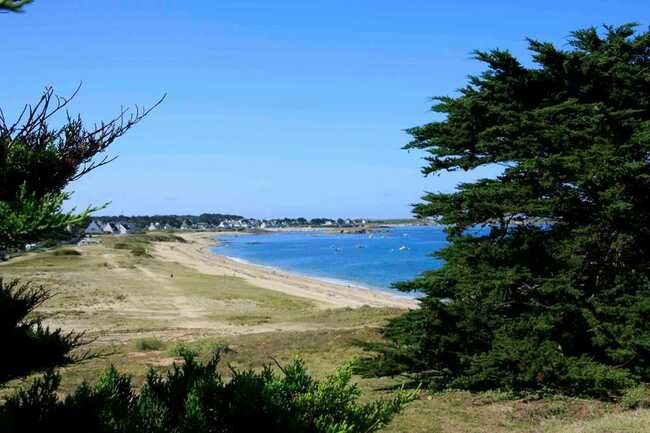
{"x":93,"y":228}
{"x":108,"y":228}
{"x":154,"y":226}
{"x":121,"y":229}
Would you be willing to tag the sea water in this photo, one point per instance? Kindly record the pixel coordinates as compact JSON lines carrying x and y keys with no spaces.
{"x":374,"y":260}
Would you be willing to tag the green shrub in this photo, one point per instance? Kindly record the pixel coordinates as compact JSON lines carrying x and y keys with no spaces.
{"x":66,"y":252}
{"x":636,"y":398}
{"x":203,"y":347}
{"x":146,"y":344}
{"x":193,"y":397}
{"x":139,"y":251}
{"x":164,"y":237}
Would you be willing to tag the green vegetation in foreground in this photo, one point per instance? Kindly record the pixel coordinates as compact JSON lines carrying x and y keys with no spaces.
{"x":323,"y":350}
{"x":193,"y":397}
{"x":557,"y":308}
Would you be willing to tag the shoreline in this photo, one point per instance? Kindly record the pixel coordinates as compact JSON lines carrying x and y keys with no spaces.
{"x":335,"y":281}
{"x":196,"y":254}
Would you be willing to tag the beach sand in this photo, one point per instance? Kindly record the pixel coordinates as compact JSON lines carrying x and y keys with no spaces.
{"x":196,"y":254}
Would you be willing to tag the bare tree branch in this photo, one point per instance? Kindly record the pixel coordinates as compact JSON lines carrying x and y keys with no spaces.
{"x":65,"y":153}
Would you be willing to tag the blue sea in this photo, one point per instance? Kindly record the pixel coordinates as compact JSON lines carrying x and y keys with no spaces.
{"x":373,"y":260}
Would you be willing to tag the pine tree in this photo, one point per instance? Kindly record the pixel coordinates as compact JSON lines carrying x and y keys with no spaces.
{"x":13,"y":5}
{"x":546,"y":277}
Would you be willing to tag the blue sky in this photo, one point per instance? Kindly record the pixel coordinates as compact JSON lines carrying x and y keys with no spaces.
{"x":274,"y":108}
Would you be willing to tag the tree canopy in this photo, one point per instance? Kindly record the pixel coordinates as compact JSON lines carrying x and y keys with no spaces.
{"x":37,"y":161}
{"x":546,"y":278}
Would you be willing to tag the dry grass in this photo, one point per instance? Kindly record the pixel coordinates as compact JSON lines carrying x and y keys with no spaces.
{"x":114,"y":295}
{"x":142,"y":317}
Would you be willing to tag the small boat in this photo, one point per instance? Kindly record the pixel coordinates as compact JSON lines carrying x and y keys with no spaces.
{"x":403,"y":248}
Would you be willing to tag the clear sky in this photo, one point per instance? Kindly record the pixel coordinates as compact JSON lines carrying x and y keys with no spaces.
{"x":274,"y":108}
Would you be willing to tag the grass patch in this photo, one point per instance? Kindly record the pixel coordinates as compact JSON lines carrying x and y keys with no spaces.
{"x":147,"y":344}
{"x":627,"y":422}
{"x":348,"y":317}
{"x":203,"y":347}
{"x":136,"y":247}
{"x":140,"y":252}
{"x":66,"y":252}
{"x":161,"y":237}
{"x":251,"y":319}
{"x":636,"y":398}
{"x":127,"y":241}
{"x":495,"y":396}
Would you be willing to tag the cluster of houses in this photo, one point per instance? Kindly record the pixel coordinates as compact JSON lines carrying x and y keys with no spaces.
{"x":121,"y":228}
{"x":109,"y":228}
{"x":253,"y":223}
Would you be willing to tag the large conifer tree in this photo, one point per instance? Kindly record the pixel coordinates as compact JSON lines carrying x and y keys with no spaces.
{"x":554,"y":292}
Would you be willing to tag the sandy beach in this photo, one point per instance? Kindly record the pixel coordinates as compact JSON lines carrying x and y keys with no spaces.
{"x":196,"y":254}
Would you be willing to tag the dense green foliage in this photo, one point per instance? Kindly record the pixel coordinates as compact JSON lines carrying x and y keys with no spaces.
{"x":37,"y":161}
{"x":28,"y":345}
{"x":554,"y":291}
{"x":29,"y":218}
{"x":195,"y":398}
